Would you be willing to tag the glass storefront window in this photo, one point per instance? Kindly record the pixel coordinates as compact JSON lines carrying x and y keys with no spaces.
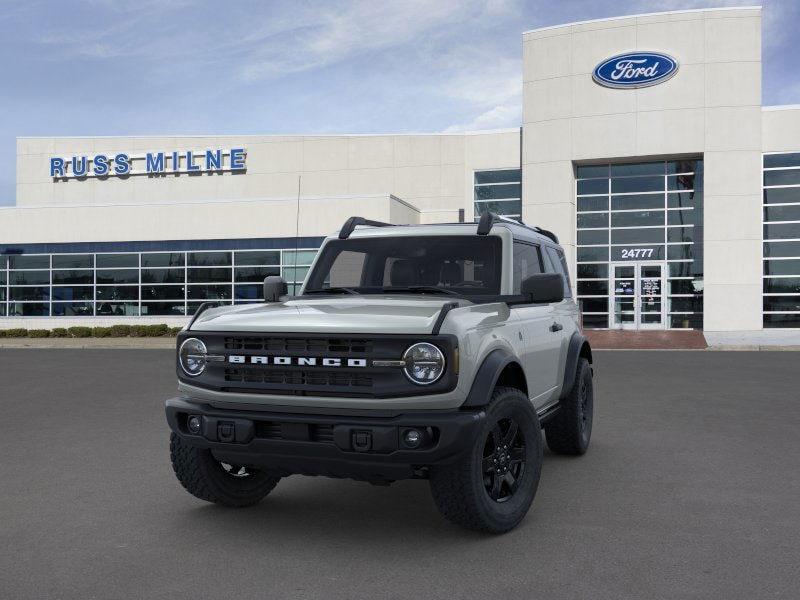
{"x":163,"y":276}
{"x":590,"y":220}
{"x":644,"y":212}
{"x":108,"y":284}
{"x":63,"y":277}
{"x":498,"y":191}
{"x":163,"y":309}
{"x":117,"y":292}
{"x":209,"y":292}
{"x":209,"y":259}
{"x":72,"y":309}
{"x":163,"y":292}
{"x":163,"y":259}
{"x":209,"y":275}
{"x":32,"y":261}
{"x":73,"y":261}
{"x":72,"y":292}
{"x":29,"y":278}
{"x":254,"y":274}
{"x":28,"y":309}
{"x":29,"y":293}
{"x":781,"y":214}
{"x":117,"y":276}
{"x":259,"y":257}
{"x":113,"y":261}
{"x":302,"y":258}
{"x":118,"y":309}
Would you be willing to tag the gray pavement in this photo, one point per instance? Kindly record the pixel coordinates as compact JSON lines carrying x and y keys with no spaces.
{"x":691,"y":489}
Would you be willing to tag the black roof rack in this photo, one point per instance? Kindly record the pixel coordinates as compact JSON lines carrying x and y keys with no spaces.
{"x":353,"y":222}
{"x":489,"y":218}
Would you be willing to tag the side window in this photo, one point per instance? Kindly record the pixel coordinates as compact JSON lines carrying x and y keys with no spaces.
{"x":527,"y":262}
{"x":559,"y":262}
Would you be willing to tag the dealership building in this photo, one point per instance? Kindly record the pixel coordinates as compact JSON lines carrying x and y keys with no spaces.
{"x":644,"y":146}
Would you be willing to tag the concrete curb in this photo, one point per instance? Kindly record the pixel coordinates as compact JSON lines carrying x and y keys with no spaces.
{"x":87,"y":343}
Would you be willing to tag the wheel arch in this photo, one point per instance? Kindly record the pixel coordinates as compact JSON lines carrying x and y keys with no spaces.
{"x":579,"y":347}
{"x":500,"y":367}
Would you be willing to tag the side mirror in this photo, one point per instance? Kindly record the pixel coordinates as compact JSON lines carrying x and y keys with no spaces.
{"x":274,"y":288}
{"x":544,"y":288}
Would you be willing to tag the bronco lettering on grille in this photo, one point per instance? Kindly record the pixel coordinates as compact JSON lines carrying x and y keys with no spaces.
{"x":301,"y":361}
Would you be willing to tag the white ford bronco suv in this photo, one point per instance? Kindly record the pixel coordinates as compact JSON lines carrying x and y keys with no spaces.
{"x":435,"y":352}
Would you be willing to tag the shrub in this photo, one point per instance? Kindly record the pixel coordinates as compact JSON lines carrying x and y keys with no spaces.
{"x":38,"y":333}
{"x":157,"y":330}
{"x":173,"y":331}
{"x":80,"y":332}
{"x":120,"y":330}
{"x":101,"y":332}
{"x":2,"y":333}
{"x":59,"y":332}
{"x":16,"y":332}
{"x":138,"y":330}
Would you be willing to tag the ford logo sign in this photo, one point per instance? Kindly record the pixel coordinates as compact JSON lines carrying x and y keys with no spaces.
{"x":635,"y":70}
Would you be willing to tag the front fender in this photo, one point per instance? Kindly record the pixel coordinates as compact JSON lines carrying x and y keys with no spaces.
{"x":487,"y":375}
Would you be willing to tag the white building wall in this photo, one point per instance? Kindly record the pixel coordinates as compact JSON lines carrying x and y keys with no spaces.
{"x":712,"y":107}
{"x":433,"y":172}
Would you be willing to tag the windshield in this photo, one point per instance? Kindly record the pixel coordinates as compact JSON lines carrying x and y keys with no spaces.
{"x":466,"y":265}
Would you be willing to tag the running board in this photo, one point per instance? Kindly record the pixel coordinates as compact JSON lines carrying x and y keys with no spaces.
{"x":548,"y":412}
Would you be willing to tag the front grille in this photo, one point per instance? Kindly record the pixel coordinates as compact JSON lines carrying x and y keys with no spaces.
{"x":297,"y":377}
{"x":271,"y":430}
{"x":323,"y":346}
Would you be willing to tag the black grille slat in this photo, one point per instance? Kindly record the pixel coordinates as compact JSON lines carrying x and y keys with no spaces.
{"x":323,"y":346}
{"x":297,"y":377}
{"x":272,"y":430}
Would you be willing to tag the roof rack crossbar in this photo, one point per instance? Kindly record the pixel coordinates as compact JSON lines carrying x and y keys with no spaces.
{"x":547,"y":234}
{"x":353,"y":222}
{"x":489,"y":218}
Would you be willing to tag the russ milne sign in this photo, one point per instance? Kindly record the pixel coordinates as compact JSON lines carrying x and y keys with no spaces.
{"x":635,"y":70}
{"x":122,"y":164}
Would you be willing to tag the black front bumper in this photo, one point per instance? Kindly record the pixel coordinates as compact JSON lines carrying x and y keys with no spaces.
{"x":367,"y":448}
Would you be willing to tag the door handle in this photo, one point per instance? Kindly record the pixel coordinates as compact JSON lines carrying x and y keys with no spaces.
{"x":556,"y":327}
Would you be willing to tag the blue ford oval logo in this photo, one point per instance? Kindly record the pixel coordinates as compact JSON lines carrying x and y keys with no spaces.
{"x":635,"y":70}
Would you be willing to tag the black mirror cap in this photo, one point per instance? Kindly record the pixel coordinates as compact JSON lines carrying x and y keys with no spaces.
{"x":544,"y":288}
{"x":274,"y":288}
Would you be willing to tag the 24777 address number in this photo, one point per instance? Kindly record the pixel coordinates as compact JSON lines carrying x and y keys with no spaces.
{"x":637,"y":252}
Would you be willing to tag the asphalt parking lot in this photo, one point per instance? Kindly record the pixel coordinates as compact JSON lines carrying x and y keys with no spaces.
{"x":691,"y":490}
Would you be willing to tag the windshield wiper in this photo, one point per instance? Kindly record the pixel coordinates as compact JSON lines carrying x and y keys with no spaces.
{"x":420,"y":289}
{"x":332,"y":290}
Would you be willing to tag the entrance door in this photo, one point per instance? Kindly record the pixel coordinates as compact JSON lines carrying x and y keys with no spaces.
{"x":637,"y":299}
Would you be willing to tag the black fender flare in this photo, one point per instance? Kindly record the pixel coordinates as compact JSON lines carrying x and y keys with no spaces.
{"x":487,"y":375}
{"x":578,"y":346}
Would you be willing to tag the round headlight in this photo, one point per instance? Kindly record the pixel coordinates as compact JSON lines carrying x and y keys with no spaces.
{"x":424,"y":363}
{"x":192,"y":356}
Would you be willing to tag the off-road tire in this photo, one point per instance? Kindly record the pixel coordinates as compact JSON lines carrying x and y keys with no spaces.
{"x":206,"y":478}
{"x":570,"y":429}
{"x":461,"y":490}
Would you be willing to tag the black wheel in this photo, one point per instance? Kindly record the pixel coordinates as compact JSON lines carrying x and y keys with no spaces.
{"x":570,"y":430}
{"x":491,"y":489}
{"x":213,"y":481}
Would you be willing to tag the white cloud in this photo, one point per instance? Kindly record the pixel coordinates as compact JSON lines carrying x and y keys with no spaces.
{"x":335,"y":34}
{"x":497,"y":117}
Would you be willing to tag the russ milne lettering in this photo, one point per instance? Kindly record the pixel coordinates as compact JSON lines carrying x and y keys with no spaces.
{"x":150,"y":163}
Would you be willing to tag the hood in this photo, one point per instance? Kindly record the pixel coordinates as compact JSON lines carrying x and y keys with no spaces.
{"x":341,"y":315}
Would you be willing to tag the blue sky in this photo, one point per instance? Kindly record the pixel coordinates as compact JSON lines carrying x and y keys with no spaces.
{"x":104,"y":67}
